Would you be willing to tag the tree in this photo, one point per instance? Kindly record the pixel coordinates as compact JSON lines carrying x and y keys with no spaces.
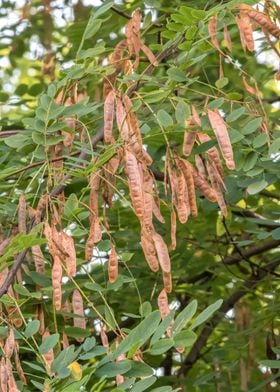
{"x":139,"y":196}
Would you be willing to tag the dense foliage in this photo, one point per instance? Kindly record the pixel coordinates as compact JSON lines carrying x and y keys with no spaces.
{"x":113,"y":113}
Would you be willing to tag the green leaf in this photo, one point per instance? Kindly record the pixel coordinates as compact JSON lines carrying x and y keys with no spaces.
{"x":207,"y":313}
{"x":76,"y":332}
{"x":270,"y":363}
{"x":145,"y":309}
{"x":276,"y":233}
{"x":234,"y":96}
{"x":250,"y":161}
{"x":235,"y":114}
{"x":220,"y":83}
{"x":48,"y":343}
{"x":161,"y":346}
{"x":140,"y":334}
{"x":162,"y":327}
{"x":64,"y":358}
{"x":143,"y":384}
{"x":216,"y":103}
{"x":182,"y":112}
{"x":88,"y":344}
{"x":113,"y":369}
{"x":18,"y":141}
{"x":97,"y":351}
{"x":139,"y":369}
{"x":184,"y":317}
{"x":104,"y":8}
{"x":251,"y":126}
{"x":275,"y":147}
{"x":185,"y":339}
{"x":256,"y":187}
{"x":176,"y":74}
{"x":164,"y":118}
{"x":92,"y":27}
{"x":71,"y":204}
{"x":260,"y":140}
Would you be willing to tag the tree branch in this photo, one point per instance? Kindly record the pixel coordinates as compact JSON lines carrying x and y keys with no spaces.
{"x":201,"y":342}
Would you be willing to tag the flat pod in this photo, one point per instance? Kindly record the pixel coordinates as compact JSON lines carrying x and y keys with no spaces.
{"x":162,"y":252}
{"x":113,"y":265}
{"x":78,"y":309}
{"x":149,"y":251}
{"x":109,"y":113}
{"x":162,"y":302}
{"x":56,"y":282}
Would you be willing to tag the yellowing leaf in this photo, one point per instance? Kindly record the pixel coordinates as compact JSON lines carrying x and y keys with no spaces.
{"x":76,"y":370}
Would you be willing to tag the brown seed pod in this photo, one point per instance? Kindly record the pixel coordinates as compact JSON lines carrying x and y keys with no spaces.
{"x":182,"y":203}
{"x":167,"y":281}
{"x":109,"y":113}
{"x":95,"y":235}
{"x":113,"y":265}
{"x":261,"y":19}
{"x":162,"y":252}
{"x":247,"y":32}
{"x":78,"y":310}
{"x":148,"y":183}
{"x":227,"y":38}
{"x":202,"y":184}
{"x":156,"y":211}
{"x":149,"y":251}
{"x":68,"y":245}
{"x":3,"y":375}
{"x":41,"y":318}
{"x":134,"y":183}
{"x":65,"y":341}
{"x":22,"y":212}
{"x":150,"y":56}
{"x":38,"y":259}
{"x":200,"y":166}
{"x":162,"y":302}
{"x":188,"y":143}
{"x":56,"y":282}
{"x":173,"y":230}
{"x":4,"y":243}
{"x":220,"y":130}
{"x":212,"y":153}
{"x":103,"y":336}
{"x":12,"y":385}
{"x":121,"y":117}
{"x":188,"y":172}
{"x":212,"y":28}
{"x":217,"y":186}
{"x":48,"y":356}
{"x":116,"y":57}
{"x":250,"y":89}
{"x":20,"y":371}
{"x":10,"y":344}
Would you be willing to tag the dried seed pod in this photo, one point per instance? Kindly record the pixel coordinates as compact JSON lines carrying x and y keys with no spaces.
{"x":156,"y":211}
{"x":103,"y":336}
{"x":95,"y":235}
{"x":162,"y":302}
{"x":109,"y":113}
{"x":247,"y":32}
{"x":116,"y":57}
{"x":212,"y":153}
{"x":150,"y":56}
{"x":200,"y":166}
{"x":22,"y":212}
{"x":227,"y":38}
{"x":212,"y":28}
{"x":217,"y":186}
{"x":38,"y":259}
{"x":182,"y":203}
{"x":220,"y":130}
{"x":4,"y":243}
{"x":3,"y":375}
{"x":188,"y":173}
{"x":261,"y":19}
{"x":113,"y":265}
{"x":48,"y":356}
{"x":167,"y":281}
{"x":188,"y":143}
{"x":68,"y":245}
{"x":250,"y":89}
{"x":9,"y":344}
{"x":78,"y":310}
{"x":121,"y":117}
{"x":65,"y":341}
{"x":149,"y":251}
{"x":162,"y":252}
{"x":173,"y":230}
{"x":134,"y":183}
{"x":12,"y":385}
{"x":56,"y":282}
{"x":241,"y":32}
{"x":148,"y":196}
{"x":41,"y":318}
{"x":20,"y":372}
{"x":205,"y":188}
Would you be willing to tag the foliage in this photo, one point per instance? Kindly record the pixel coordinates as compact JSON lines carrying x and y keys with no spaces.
{"x":128,"y":145}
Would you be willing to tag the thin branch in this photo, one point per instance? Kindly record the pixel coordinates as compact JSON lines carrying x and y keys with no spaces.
{"x":201,"y":342}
